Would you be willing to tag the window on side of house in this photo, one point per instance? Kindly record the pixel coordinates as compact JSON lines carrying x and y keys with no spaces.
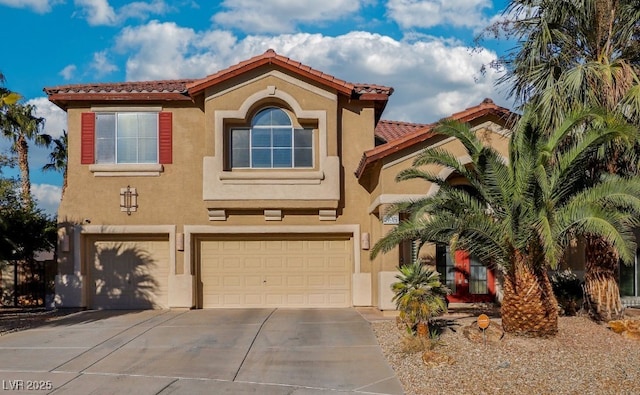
{"x":478,"y":277}
{"x":272,"y":142}
{"x":126,"y":137}
{"x":446,"y":266}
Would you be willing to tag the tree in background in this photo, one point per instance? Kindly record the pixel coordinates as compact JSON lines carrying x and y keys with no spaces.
{"x":570,"y":55}
{"x":19,"y":124}
{"x":6,"y":96}
{"x":58,"y":158}
{"x":520,"y":215}
{"x":25,"y":230}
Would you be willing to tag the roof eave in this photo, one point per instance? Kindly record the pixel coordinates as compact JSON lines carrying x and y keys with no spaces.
{"x":380,"y":152}
{"x":62,"y":100}
{"x":199,"y":86}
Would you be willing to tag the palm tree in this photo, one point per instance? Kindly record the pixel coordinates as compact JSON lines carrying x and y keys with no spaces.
{"x":19,"y":124}
{"x":6,"y":96}
{"x":572,"y":54}
{"x":519,"y":214}
{"x":58,"y":158}
{"x":419,"y":296}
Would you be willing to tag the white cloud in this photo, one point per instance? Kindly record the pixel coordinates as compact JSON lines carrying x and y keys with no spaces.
{"x":68,"y":72}
{"x":100,"y":12}
{"x":141,"y":10}
{"x":282,"y":16}
{"x":56,"y":119}
{"x":167,"y":51}
{"x":39,"y":6}
{"x":48,"y":197}
{"x":97,"y":12}
{"x":429,"y":13}
{"x":101,"y":65}
{"x":432,"y":77}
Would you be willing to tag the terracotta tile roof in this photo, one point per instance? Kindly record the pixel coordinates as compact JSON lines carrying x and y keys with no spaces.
{"x":185,"y":89}
{"x":144,"y":91}
{"x":487,"y":107}
{"x":363,"y":91}
{"x":166,"y":86}
{"x":392,"y":130}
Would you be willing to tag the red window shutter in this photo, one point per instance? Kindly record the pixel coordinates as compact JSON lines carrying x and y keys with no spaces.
{"x":87,"y":138}
{"x":165,"y":137}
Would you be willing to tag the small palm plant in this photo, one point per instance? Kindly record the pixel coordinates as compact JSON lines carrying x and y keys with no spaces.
{"x":419,"y":296}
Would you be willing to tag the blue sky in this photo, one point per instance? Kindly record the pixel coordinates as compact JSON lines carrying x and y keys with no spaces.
{"x":419,"y":47}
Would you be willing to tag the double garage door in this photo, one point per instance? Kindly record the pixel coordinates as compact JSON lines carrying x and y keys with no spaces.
{"x":128,"y":272}
{"x":132,"y":272}
{"x":275,"y":271}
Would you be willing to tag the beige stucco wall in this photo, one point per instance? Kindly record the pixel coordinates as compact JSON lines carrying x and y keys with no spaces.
{"x":388,"y":190}
{"x":175,"y":198}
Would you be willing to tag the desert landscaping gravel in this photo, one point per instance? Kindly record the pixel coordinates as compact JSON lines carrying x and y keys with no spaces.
{"x":584,"y":358}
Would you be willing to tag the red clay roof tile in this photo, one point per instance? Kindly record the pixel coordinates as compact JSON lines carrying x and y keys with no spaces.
{"x":165,"y":86}
{"x":270,"y":56}
{"x":184,"y":89}
{"x":392,"y":130}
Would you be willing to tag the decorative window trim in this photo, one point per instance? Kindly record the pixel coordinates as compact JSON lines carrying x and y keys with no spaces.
{"x":126,"y":170}
{"x":250,"y":148}
{"x":221,"y":115}
{"x":271,"y":177}
{"x":164,"y":140}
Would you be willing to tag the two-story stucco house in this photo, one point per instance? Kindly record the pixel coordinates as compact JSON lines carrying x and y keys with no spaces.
{"x":262,"y":185}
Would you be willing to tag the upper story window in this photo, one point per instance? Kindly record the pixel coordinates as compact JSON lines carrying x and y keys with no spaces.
{"x":271,"y":142}
{"x":126,"y":137}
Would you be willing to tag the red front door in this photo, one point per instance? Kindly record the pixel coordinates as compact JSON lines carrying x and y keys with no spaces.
{"x":468,"y":279}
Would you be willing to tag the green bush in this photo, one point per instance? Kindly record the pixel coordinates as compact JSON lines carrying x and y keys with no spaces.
{"x":568,"y":290}
{"x":419,"y":296}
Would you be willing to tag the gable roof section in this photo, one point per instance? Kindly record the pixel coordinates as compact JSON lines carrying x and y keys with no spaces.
{"x":359,"y":91}
{"x":487,"y":107}
{"x":186,"y":89}
{"x":119,"y":91}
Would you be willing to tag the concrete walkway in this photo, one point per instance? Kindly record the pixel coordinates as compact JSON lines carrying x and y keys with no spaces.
{"x":238,"y":351}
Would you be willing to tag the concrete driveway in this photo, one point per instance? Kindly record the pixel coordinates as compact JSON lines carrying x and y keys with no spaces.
{"x":239,"y":351}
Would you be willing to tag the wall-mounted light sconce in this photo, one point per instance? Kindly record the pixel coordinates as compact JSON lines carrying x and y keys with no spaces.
{"x":365,"y":241}
{"x":128,"y":200}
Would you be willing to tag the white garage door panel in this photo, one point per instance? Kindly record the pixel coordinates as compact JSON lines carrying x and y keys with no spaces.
{"x":127,"y":274}
{"x":287,"y":273}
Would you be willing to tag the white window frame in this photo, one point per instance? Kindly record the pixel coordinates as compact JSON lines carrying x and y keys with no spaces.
{"x":271,"y":147}
{"x":115,"y":148}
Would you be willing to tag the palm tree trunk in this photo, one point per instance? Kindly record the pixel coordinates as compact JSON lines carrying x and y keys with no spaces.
{"x":602,"y":293}
{"x":422,"y":329}
{"x":23,"y":163}
{"x":529,"y":306}
{"x":64,"y":181}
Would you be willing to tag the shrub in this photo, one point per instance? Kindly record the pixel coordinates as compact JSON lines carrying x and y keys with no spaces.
{"x":419,"y":296}
{"x":568,"y":290}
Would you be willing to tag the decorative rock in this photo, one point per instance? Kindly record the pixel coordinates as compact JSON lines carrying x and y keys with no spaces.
{"x":504,"y":365}
{"x":629,"y":329}
{"x":494,"y":333}
{"x":433,"y":359}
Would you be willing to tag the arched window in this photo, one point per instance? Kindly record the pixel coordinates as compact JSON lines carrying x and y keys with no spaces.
{"x":271,"y":142}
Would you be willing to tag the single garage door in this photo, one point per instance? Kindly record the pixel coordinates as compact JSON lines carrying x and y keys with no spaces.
{"x":128,"y":273}
{"x":291,"y":271}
